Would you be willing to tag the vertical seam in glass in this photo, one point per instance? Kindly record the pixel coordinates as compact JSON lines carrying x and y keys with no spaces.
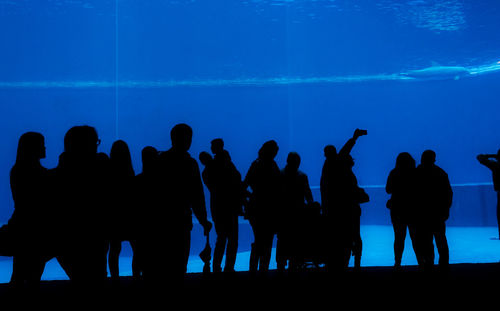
{"x":288,"y":87}
{"x":116,"y":70}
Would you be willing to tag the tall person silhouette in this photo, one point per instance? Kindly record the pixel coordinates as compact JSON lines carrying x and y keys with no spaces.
{"x":340,"y":199}
{"x":434,"y":197}
{"x":491,"y":161}
{"x":263,"y":208}
{"x":121,"y":209}
{"x":226,"y":198}
{"x":401,"y":186}
{"x":28,"y":181}
{"x":296,"y":194}
{"x":82,"y":198}
{"x":144,"y":200}
{"x":180,"y":194}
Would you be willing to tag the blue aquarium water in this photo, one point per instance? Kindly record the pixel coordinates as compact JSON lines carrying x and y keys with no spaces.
{"x":417,"y":74}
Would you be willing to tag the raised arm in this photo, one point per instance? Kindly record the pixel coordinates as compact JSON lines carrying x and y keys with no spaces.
{"x":346,"y":149}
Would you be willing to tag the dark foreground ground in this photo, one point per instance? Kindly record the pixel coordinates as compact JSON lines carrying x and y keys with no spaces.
{"x":465,"y":285}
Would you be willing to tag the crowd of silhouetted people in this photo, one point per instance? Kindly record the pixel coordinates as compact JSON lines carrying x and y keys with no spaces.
{"x":82,"y":210}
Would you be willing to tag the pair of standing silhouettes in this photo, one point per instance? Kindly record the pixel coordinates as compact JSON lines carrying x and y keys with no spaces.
{"x":420,"y":201}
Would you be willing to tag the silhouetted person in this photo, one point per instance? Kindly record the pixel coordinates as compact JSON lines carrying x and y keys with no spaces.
{"x":82,"y":197}
{"x":401,"y":186}
{"x":28,"y":182}
{"x":358,"y":196}
{"x":207,"y":176}
{"x":491,"y":161}
{"x":226,"y":199}
{"x":263,"y":208}
{"x":434,"y":198}
{"x":340,"y":199}
{"x":145,"y":199}
{"x":121,"y":216}
{"x":217,"y":146}
{"x":326,"y":179}
{"x":180,"y":193}
{"x":296,"y":194}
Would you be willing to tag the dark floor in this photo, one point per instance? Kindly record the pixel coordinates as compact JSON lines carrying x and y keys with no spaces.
{"x":316,"y":289}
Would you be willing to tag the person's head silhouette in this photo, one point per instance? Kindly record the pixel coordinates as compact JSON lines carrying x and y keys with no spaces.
{"x":330,"y":151}
{"x":428,"y":158}
{"x":120,"y":156}
{"x":149,"y":155}
{"x":205,"y":158}
{"x":293,"y":161}
{"x":269,"y":150}
{"x":81,"y":140}
{"x":405,"y":161}
{"x":181,"y":136}
{"x":217,"y":146}
{"x":30,"y":148}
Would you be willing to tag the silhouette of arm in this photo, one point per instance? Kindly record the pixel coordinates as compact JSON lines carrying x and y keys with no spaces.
{"x":17,"y":198}
{"x":448,"y":190}
{"x":389,"y":187}
{"x":207,"y":178}
{"x":323,"y":186}
{"x":250,"y":177}
{"x":308,"y":193}
{"x":22,"y":188}
{"x":347,"y":148}
{"x":488,"y":162}
{"x":198,"y":198}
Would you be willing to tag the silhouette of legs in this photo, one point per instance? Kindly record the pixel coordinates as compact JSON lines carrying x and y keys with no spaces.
{"x":439,"y":233}
{"x":399,"y":242}
{"x":260,"y":255}
{"x":136,"y":259}
{"x":414,"y":242}
{"x":281,"y":250}
{"x":357,"y":249}
{"x":115,"y":247}
{"x":426,"y":246}
{"x":254,"y":259}
{"x":264,"y":242}
{"x":498,"y":212}
{"x":220,"y":246}
{"x":178,"y":253}
{"x":227,"y":241}
{"x":357,"y":243}
{"x":287,"y":241}
{"x":27,"y":269}
{"x":340,"y":244}
{"x":232,"y":245}
{"x":164,"y":257}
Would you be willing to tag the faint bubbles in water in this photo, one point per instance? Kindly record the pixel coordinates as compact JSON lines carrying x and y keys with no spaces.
{"x":434,"y":15}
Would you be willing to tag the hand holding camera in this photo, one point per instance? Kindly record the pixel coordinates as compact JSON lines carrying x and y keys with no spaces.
{"x":360,"y":132}
{"x":487,"y":156}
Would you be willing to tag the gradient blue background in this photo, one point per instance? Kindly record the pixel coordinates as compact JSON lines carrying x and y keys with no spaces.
{"x":305,"y":73}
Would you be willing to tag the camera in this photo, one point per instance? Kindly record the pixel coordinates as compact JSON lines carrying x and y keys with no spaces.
{"x":360,"y":132}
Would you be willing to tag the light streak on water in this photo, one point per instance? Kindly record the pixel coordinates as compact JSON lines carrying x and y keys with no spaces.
{"x":198,"y":83}
{"x":258,"y":82}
